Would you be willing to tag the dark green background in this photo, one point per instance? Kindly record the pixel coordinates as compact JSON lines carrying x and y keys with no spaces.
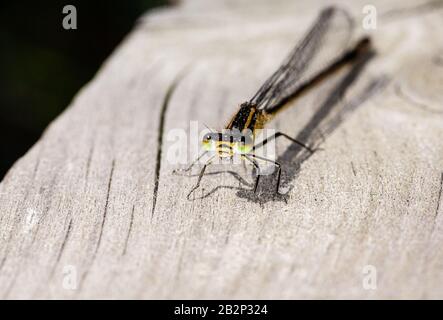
{"x":43,"y":65}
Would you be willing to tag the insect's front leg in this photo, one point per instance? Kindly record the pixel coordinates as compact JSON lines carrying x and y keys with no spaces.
{"x":200,"y":176}
{"x":176,"y":171}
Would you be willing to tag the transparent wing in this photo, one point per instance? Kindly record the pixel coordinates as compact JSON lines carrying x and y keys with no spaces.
{"x":327,"y":39}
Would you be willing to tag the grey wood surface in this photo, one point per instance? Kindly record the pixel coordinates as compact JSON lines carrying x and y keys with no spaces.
{"x":94,"y":211}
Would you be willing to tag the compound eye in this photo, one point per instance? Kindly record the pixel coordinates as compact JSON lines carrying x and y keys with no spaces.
{"x":208,"y":142}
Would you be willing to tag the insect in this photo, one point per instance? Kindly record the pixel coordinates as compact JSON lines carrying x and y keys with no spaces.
{"x":325,"y":43}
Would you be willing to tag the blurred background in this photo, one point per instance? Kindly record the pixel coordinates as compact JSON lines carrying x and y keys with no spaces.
{"x":43,"y":65}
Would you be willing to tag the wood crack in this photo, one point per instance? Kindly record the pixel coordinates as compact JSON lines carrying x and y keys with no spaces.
{"x":439,"y":196}
{"x":105,"y":212}
{"x":62,"y":247}
{"x":161,"y":128}
{"x":88,"y":163}
{"x":131,"y":222}
{"x":102,"y":224}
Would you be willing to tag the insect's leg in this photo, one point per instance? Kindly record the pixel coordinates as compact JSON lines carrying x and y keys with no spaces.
{"x":278,"y":165}
{"x":192,"y":164}
{"x":257,"y":167}
{"x":200,"y":176}
{"x":280,"y":134}
{"x":243,"y":162}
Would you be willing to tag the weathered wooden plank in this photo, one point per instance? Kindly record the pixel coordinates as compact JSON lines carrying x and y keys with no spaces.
{"x":91,"y":203}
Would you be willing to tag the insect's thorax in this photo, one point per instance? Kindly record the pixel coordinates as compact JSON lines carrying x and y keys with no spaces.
{"x":247,"y":119}
{"x":238,"y":136}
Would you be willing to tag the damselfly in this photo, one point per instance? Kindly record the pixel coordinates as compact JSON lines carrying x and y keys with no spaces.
{"x":322,"y":52}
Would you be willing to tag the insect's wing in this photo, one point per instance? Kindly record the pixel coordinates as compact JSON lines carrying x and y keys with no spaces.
{"x":327,"y":39}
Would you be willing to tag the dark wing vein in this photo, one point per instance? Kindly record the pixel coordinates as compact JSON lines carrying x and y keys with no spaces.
{"x":327,"y":39}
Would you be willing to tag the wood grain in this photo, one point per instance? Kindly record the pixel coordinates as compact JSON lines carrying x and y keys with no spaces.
{"x":95,"y":199}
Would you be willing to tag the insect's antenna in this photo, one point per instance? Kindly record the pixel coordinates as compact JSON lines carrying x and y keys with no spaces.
{"x":208,"y":128}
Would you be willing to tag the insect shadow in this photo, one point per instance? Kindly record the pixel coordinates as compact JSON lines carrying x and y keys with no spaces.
{"x":323,"y":123}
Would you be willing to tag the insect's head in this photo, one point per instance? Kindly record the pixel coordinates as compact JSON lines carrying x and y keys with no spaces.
{"x":227,"y":144}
